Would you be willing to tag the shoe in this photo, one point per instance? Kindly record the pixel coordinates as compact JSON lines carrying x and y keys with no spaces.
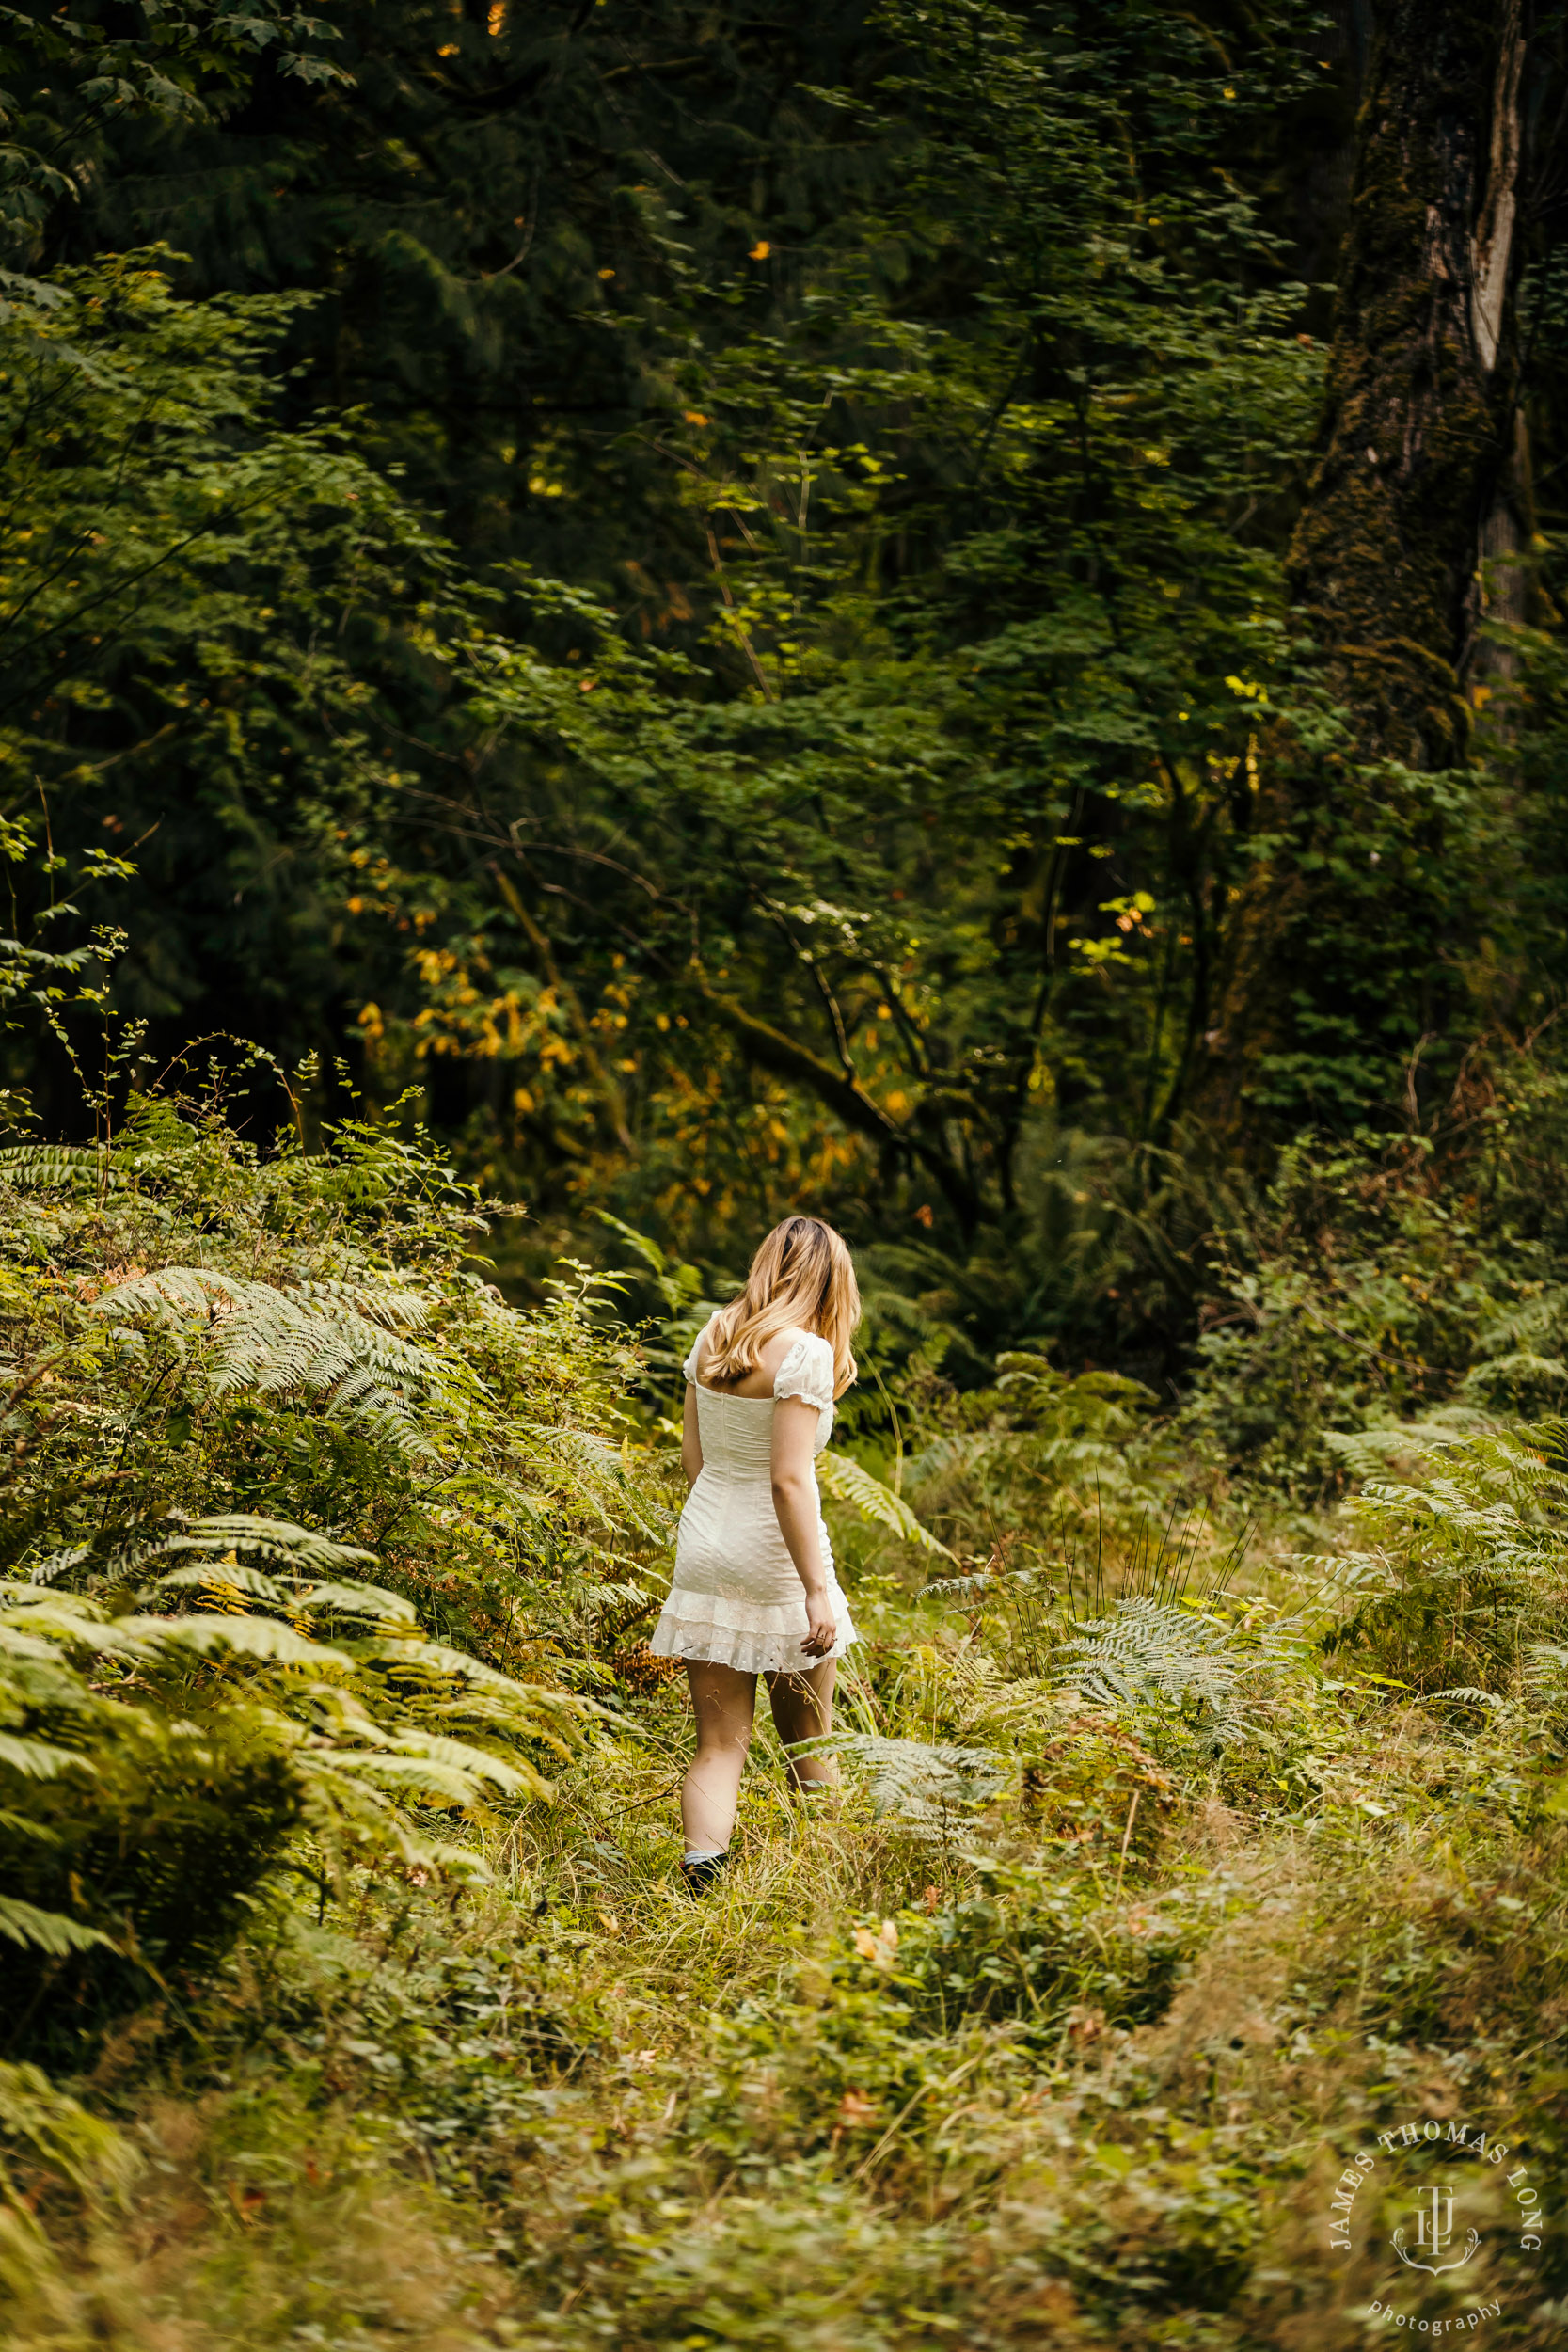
{"x":699,"y":1875}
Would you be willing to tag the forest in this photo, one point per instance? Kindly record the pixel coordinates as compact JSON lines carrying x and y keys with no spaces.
{"x":620,"y":618}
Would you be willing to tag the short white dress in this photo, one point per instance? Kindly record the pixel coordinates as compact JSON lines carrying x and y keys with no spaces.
{"x":738,"y":1599}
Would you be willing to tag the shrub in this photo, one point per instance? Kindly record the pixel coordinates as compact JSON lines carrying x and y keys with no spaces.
{"x":1384,"y":1279}
{"x":1046,"y":1949}
{"x":194,"y":1692}
{"x":1456,"y":1585}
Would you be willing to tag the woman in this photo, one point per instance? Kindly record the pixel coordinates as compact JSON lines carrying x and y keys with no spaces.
{"x":755,"y":1590}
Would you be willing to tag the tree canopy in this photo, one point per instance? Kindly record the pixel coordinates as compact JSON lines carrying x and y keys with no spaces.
{"x":759,"y":602}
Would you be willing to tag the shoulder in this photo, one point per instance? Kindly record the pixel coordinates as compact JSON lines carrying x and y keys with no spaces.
{"x":783,"y":1345}
{"x":802,"y":1364}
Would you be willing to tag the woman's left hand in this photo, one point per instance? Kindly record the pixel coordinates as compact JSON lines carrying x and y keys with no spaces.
{"x":821,"y":1626}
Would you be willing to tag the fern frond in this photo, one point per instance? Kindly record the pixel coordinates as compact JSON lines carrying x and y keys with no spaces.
{"x":416,"y":1776}
{"x":485,"y":1770}
{"x":261,"y":1638}
{"x":72,"y":1167}
{"x":848,"y":1481}
{"x":232,"y":1573}
{"x":84,"y":2150}
{"x":48,"y":1931}
{"x":370,"y":1601}
{"x":297,"y":1548}
{"x":67,"y":1616}
{"x":962,"y":1451}
{"x":254,"y":1336}
{"x":19,"y":1825}
{"x":976,"y":1586}
{"x":928,"y":1787}
{"x":1149,"y":1647}
{"x":433,"y":1661}
{"x":1366,"y":1452}
{"x":15,"y":1642}
{"x":390,"y":1303}
{"x":58,"y":1563}
{"x":39,"y":1759}
{"x":278,"y":1539}
{"x":428,"y":1763}
{"x":1152,"y":1652}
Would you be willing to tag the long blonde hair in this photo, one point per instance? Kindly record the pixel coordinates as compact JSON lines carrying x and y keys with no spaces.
{"x":801,"y":1280}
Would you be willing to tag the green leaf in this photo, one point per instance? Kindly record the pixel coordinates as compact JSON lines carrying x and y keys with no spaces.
{"x":847,"y":1481}
{"x":47,"y":1931}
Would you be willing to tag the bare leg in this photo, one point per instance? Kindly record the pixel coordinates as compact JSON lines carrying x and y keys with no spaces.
{"x":724,"y":1702}
{"x":803,"y":1704}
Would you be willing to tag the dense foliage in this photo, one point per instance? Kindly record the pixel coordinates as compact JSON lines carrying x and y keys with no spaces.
{"x":202,"y":1347}
{"x":613,"y":619}
{"x":746,"y":610}
{"x":1170,"y":1864}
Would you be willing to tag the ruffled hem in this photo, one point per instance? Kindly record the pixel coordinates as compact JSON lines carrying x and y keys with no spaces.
{"x":750,"y":1636}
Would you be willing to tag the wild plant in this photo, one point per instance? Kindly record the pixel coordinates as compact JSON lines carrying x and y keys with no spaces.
{"x":1454,"y":1581}
{"x":198,"y":1689}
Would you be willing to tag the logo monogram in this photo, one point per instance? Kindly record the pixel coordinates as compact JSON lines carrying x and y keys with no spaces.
{"x":1435,"y":2235}
{"x":1432,"y":2202}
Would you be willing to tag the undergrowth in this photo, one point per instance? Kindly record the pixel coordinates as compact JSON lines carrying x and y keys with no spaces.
{"x":354,"y":1997}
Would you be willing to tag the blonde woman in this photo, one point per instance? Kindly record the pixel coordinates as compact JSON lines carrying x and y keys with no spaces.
{"x":754,"y":1589}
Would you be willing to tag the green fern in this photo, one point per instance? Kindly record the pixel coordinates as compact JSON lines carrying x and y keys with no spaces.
{"x":200,"y":1696}
{"x":1157,"y":1653}
{"x":39,"y":1760}
{"x":313,"y":1341}
{"x":1466,"y":1569}
{"x":1150,"y":1650}
{"x":927,"y":1788}
{"x":366,"y":1730}
{"x":848,"y":1481}
{"x":48,"y":1931}
{"x":57,"y":2134}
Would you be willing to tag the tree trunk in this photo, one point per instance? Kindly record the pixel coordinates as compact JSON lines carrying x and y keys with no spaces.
{"x":1343,"y":948}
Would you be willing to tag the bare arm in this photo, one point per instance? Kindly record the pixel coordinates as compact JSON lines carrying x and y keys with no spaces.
{"x":795,"y":1501}
{"x":691,"y":1440}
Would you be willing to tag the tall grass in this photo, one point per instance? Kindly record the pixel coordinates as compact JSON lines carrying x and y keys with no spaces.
{"x":1175,"y":1859}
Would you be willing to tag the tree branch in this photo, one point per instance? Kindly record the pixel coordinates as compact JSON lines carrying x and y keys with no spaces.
{"x":774,"y":1050}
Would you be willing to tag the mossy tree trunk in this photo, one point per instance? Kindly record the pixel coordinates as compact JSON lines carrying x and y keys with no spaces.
{"x":1346,"y":941}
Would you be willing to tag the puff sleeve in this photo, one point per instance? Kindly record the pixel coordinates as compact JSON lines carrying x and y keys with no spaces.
{"x":807,"y":1372}
{"x":690,"y":1367}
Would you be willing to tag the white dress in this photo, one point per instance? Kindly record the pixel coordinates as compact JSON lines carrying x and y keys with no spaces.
{"x":738,"y":1599}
